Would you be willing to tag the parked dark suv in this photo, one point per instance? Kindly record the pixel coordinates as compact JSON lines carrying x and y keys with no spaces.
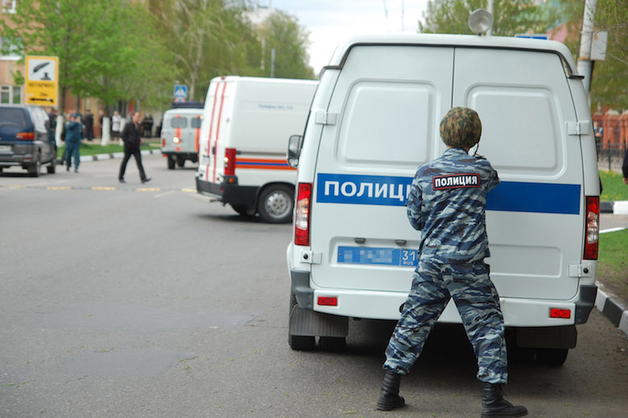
{"x":25,"y":139}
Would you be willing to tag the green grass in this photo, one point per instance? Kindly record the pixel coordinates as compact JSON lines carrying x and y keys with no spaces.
{"x":613,"y":262}
{"x":614,"y":187}
{"x":93,"y":149}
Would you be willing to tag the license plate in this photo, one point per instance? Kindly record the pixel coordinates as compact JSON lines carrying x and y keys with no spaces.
{"x":5,"y":148}
{"x":377,"y":256}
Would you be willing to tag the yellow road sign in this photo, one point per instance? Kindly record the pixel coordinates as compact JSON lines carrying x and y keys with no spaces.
{"x":42,"y":80}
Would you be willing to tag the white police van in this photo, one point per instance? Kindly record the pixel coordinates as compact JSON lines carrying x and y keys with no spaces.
{"x":375,"y":119}
{"x":246,"y":126}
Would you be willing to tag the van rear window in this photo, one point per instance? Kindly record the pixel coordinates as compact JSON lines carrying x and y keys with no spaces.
{"x":13,"y":118}
{"x":196,"y":122}
{"x":179,"y":122}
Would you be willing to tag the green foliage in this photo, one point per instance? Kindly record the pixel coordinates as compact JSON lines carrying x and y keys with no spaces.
{"x":613,"y":185}
{"x":510,"y":17}
{"x":120,"y":50}
{"x":610,"y":77}
{"x":97,"y":41}
{"x":613,"y":263}
{"x":283,"y":34}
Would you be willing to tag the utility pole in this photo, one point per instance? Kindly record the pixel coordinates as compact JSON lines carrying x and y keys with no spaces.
{"x":491,"y":6}
{"x":585,"y":65}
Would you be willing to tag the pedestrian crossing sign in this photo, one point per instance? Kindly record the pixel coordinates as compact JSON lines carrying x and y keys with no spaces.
{"x":180,"y":91}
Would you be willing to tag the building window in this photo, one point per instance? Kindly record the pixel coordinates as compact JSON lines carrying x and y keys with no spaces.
{"x":11,"y":47}
{"x":8,"y":6}
{"x":11,"y":94}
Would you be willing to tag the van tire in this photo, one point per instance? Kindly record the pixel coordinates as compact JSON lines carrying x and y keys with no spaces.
{"x":275,"y":204}
{"x":35,"y":169}
{"x":52,"y":167}
{"x":171,"y":163}
{"x":332,"y":344}
{"x":180,"y":162}
{"x":552,"y":356}
{"x":243,"y":210}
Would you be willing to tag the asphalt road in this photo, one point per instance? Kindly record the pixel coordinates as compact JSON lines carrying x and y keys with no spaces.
{"x":147,"y":301}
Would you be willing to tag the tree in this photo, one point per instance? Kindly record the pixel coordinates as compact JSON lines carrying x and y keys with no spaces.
{"x":510,"y":17}
{"x":207,"y":38}
{"x":282,"y":33}
{"x":610,"y":77}
{"x":96,"y":42}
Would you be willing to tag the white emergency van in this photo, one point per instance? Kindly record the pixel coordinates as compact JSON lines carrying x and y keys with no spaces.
{"x":180,"y":135}
{"x":246,"y":126}
{"x":375,"y":119}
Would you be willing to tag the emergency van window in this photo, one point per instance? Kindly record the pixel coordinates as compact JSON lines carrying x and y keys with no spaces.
{"x":387,"y":123}
{"x":196,"y":122}
{"x":179,"y":122}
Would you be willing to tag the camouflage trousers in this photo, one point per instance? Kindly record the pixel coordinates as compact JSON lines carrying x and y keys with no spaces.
{"x":477,"y":301}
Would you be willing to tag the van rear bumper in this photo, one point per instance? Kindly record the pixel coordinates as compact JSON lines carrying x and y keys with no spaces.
{"x":370,"y":304}
{"x":233,"y":194}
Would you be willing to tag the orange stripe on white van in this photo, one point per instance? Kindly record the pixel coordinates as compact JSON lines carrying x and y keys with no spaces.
{"x":197,"y":136}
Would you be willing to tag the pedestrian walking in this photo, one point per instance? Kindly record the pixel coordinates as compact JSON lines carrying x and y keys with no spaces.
{"x":447,"y":203}
{"x":73,"y":136}
{"x":131,"y":136}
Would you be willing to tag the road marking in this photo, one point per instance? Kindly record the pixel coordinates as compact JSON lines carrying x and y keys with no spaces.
{"x":189,"y":190}
{"x":148,"y":189}
{"x":103,"y":188}
{"x":59,"y":188}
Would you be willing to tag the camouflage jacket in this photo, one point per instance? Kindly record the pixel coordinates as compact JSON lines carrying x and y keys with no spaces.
{"x":447,"y":203}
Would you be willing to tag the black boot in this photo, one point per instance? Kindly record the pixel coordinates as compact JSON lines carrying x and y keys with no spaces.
{"x":495,"y":406}
{"x":389,"y":397}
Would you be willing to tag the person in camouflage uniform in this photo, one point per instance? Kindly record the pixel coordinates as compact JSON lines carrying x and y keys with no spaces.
{"x":447,"y":204}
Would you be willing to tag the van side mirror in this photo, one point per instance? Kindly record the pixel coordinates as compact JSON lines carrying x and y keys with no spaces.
{"x":294,"y":150}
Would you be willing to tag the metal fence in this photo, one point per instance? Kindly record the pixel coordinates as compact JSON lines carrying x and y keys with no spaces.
{"x":610,"y":158}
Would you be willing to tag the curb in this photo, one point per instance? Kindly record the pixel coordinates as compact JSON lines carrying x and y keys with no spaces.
{"x":100,"y":157}
{"x":614,"y":311}
{"x":616,"y":208}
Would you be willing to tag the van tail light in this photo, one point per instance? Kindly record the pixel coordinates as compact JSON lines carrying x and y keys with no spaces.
{"x":163,"y":142}
{"x":26,"y":135}
{"x":302,"y":215}
{"x":591,"y":239}
{"x":230,"y":161}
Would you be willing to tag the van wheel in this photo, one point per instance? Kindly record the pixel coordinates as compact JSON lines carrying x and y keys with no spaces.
{"x":171,"y":163}
{"x":552,"y":356}
{"x":35,"y":169}
{"x":52,"y":167}
{"x":276,"y":204}
{"x":180,"y":162}
{"x":332,"y":344}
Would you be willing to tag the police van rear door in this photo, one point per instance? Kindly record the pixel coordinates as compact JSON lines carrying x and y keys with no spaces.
{"x":381,"y":124}
{"x":535,"y":216}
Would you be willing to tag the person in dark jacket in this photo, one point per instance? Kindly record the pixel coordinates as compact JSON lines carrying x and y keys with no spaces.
{"x":89,"y":125}
{"x":131,"y":136}
{"x":624,"y":167}
{"x":73,"y":136}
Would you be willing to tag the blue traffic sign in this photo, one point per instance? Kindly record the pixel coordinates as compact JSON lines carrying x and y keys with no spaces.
{"x":180,"y":91}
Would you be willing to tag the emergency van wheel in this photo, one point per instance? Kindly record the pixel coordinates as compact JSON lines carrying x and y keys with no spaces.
{"x":333,"y":344}
{"x":276,"y":203}
{"x":171,"y":163}
{"x":552,"y":356}
{"x":243,"y":210}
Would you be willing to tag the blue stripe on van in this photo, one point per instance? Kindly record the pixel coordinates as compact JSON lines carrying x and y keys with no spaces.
{"x":509,"y":196}
{"x":512,"y":196}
